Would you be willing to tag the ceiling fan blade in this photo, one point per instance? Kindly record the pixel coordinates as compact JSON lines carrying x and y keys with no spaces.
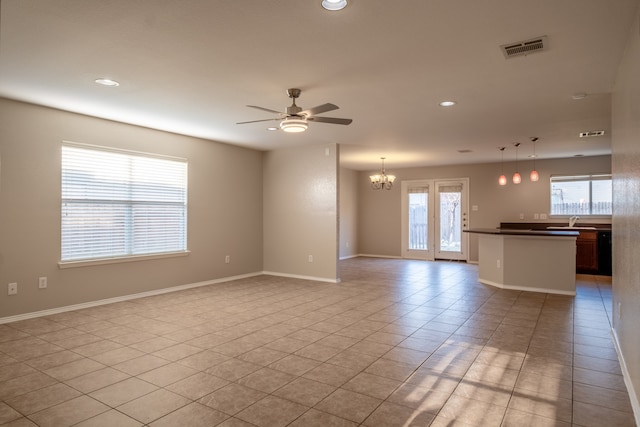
{"x":255,"y":121}
{"x":332,"y":120}
{"x":265,"y":109}
{"x":319,"y":109}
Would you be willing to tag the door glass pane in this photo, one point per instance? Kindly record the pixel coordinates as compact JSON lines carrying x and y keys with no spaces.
{"x":418,"y":221}
{"x":450,"y":220}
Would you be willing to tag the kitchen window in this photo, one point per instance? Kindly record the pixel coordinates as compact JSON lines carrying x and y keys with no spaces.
{"x":582,"y":195}
{"x":119,"y":204}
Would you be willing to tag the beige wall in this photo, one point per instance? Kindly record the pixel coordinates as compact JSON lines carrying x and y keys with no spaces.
{"x":225,"y":210}
{"x":300,"y":193}
{"x":348,"y":213}
{"x":379,"y":217}
{"x":626,"y":208}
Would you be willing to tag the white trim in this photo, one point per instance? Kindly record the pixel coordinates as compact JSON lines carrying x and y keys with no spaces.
{"x":349,"y":257}
{"x":102,"y":261}
{"x":438,"y":253}
{"x":526,"y":288}
{"x":417,"y":254}
{"x":298,"y":276}
{"x":633,"y":397}
{"x":90,"y":304}
{"x":380,"y":256}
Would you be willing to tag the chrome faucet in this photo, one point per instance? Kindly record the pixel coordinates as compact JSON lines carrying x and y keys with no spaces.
{"x":573,"y":220}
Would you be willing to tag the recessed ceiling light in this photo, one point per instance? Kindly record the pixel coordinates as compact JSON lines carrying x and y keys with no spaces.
{"x":107,"y":82}
{"x":578,"y":96}
{"x":334,"y":4}
{"x":272,"y":128}
{"x":447,"y":103}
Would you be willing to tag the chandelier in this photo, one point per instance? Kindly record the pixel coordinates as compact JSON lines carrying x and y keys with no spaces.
{"x":382,"y":180}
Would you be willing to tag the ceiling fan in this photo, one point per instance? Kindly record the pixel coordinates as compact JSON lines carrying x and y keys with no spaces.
{"x":295,"y":119}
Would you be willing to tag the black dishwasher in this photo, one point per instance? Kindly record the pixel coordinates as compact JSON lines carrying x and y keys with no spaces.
{"x":604,"y":253}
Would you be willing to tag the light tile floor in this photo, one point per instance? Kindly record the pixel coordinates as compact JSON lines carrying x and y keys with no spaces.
{"x":397,"y":343}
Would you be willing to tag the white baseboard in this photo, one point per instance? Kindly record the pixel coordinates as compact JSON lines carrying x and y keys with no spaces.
{"x":526,"y":288}
{"x":379,"y":256}
{"x":349,"y":257}
{"x":633,"y":397}
{"x":90,"y":304}
{"x":297,"y":276}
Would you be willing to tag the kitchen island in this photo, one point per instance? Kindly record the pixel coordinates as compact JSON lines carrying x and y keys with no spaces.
{"x":528,"y":260}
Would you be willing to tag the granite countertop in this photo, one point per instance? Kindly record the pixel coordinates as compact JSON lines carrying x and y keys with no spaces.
{"x":512,"y":232}
{"x":545,"y":225}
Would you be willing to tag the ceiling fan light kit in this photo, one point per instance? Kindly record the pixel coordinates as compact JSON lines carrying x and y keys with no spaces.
{"x":293,"y":125}
{"x":334,"y":4}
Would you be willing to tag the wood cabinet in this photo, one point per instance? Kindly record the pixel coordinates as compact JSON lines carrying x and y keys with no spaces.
{"x":587,"y":252}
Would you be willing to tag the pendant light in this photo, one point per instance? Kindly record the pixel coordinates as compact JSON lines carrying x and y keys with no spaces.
{"x":503,"y":179}
{"x":517,"y":179}
{"x":534,"y":176}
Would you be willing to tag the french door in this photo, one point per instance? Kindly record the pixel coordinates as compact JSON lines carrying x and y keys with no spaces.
{"x":434,"y":213}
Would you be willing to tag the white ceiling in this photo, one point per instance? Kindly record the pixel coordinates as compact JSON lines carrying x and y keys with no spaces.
{"x":192,"y":66}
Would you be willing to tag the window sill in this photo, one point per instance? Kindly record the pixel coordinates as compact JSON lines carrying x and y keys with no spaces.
{"x":117,"y":260}
{"x":582,"y":216}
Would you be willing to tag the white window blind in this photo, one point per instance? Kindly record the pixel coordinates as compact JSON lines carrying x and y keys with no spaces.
{"x":119,"y":204}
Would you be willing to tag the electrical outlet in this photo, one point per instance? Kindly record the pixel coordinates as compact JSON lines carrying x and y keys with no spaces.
{"x":227,"y":259}
{"x":310,"y":258}
{"x":521,"y":216}
{"x":498,"y":263}
{"x":42,"y":282}
{"x":12,"y":289}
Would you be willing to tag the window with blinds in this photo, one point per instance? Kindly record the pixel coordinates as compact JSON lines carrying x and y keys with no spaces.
{"x":121,"y":204}
{"x":581,"y":195}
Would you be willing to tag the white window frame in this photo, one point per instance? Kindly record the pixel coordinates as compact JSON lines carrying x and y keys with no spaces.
{"x":578,"y":178}
{"x":146,"y":212}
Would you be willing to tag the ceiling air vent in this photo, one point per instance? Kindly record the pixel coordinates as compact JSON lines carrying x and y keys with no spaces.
{"x":591,"y":133}
{"x":524,"y":47}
